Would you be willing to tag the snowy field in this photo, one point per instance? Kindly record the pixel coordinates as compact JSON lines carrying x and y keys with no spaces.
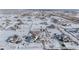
{"x":39,"y":29}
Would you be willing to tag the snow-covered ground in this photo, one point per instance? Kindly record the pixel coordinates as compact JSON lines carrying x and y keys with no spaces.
{"x":37,"y":30}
